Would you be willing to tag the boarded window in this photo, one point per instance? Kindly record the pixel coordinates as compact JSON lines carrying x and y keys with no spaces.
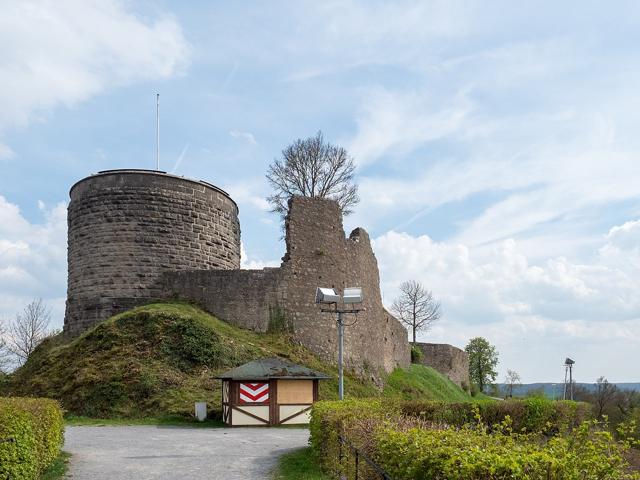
{"x":295,"y":391}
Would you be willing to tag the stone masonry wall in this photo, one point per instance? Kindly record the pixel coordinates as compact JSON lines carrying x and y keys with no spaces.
{"x":318,"y":254}
{"x":240,"y":297}
{"x":126,"y":227}
{"x":448,"y":360}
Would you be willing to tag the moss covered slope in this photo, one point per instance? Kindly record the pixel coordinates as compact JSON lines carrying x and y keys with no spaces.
{"x":157,"y":360}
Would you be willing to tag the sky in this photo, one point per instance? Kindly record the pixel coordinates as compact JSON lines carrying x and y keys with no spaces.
{"x":496,"y":146}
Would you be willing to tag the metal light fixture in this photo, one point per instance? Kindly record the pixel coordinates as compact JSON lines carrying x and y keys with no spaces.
{"x":328,"y":296}
{"x":352,"y":295}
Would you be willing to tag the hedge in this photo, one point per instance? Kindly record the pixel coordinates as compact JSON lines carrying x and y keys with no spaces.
{"x":529,"y":415}
{"x":472,"y":454}
{"x":36,"y":427}
{"x":329,"y":419}
{"x":531,"y":439}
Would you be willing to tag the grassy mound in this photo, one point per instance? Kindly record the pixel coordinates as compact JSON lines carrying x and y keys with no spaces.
{"x":420,"y":382}
{"x":157,"y":360}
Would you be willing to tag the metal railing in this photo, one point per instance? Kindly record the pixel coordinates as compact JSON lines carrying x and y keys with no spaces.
{"x":359,"y":459}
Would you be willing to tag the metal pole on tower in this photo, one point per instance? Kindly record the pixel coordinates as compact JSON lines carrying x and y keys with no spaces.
{"x":571,"y":382}
{"x":157,"y":131}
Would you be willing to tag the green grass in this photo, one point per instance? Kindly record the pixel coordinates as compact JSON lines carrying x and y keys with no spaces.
{"x":299,"y":465}
{"x":156,"y":361}
{"x":420,"y":382}
{"x":153,"y":362}
{"x":58,"y":468}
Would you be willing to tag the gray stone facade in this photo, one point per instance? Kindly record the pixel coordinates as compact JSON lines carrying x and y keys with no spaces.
{"x":137,"y":236}
{"x":448,"y":360}
{"x":126,"y":227}
{"x":318,"y":254}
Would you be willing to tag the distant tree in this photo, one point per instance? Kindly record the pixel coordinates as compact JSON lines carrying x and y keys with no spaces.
{"x":313,"y":168}
{"x":28,"y":329}
{"x":627,"y":405}
{"x":5,"y":353}
{"x":604,"y":395}
{"x":416,"y":307}
{"x":483,"y":359}
{"x":511,"y":380}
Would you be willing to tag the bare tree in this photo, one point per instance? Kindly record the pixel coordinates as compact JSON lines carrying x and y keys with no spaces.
{"x":313,"y":168}
{"x":28,"y":329}
{"x":416,"y":307}
{"x":604,"y":394}
{"x":512,"y":380}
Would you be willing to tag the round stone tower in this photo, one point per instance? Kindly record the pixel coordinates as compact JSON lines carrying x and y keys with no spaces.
{"x":127,"y":227}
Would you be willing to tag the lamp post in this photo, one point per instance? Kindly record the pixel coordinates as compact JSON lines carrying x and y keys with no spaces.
{"x":328,"y":296}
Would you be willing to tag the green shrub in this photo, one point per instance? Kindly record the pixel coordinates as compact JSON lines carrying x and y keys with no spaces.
{"x":530,"y":415}
{"x":499,"y":439}
{"x":590,"y":453}
{"x":36,"y":427}
{"x":475,"y":390}
{"x":329,"y":420}
{"x":279,"y":322}
{"x":417,"y":355}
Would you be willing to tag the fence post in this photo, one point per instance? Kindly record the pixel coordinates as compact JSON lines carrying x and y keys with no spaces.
{"x":357,"y":457}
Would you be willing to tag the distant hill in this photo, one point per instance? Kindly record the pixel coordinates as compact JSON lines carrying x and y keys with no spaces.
{"x":157,"y":360}
{"x":555,"y":390}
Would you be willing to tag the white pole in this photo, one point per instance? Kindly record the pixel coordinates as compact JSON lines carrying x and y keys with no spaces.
{"x":157,"y":131}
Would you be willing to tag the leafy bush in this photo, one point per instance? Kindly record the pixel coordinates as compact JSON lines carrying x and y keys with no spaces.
{"x":530,"y":415}
{"x":514,"y":439}
{"x":36,"y":427}
{"x":417,"y":355}
{"x":590,"y":453}
{"x":329,"y":420}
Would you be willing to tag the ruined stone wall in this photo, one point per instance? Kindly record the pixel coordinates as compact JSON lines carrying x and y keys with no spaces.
{"x":318,"y":254}
{"x":126,"y":227}
{"x":448,"y":360}
{"x":246,"y":298}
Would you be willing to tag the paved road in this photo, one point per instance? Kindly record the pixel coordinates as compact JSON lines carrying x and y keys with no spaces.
{"x":148,"y":452}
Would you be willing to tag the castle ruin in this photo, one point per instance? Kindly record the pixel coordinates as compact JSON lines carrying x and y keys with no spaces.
{"x":448,"y":360}
{"x":136,"y":236}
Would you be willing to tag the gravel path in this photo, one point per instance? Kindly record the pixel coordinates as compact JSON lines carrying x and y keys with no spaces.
{"x":149,"y":452}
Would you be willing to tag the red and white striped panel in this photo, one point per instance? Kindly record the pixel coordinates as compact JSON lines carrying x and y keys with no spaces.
{"x":254,"y":392}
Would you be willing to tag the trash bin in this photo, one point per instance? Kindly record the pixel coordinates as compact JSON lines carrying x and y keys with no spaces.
{"x":201,"y":411}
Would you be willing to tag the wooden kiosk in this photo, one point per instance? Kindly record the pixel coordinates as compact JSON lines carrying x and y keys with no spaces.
{"x":270,"y":391}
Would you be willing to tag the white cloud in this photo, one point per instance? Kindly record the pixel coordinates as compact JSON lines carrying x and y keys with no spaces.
{"x":398,"y":122}
{"x":248,"y":192}
{"x":248,"y":262}
{"x":33,"y":259}
{"x":6,"y":152}
{"x":500,"y":294}
{"x":246,"y":136}
{"x":61,"y":53}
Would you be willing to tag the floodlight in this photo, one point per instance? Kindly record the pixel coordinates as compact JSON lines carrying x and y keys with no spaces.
{"x":568,"y":361}
{"x":326,"y":295}
{"x":352,"y":295}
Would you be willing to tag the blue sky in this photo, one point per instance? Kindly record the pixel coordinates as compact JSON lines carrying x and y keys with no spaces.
{"x":496,"y":147}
